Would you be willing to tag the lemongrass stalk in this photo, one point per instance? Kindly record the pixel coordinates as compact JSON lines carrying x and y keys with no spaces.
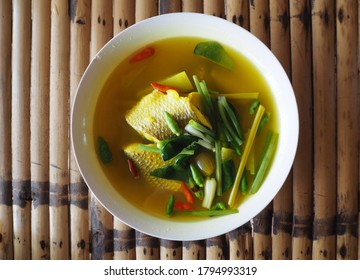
{"x":246,"y":153}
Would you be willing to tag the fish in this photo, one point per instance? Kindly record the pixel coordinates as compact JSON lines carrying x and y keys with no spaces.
{"x":147,"y":117}
{"x":147,"y":161}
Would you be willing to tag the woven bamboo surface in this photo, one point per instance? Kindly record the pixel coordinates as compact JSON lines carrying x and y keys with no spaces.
{"x":47,"y":211}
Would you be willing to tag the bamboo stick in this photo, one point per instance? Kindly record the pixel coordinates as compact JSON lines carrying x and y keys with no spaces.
{"x":6,"y":216}
{"x":145,"y":9}
{"x":216,"y":248}
{"x":124,"y":14}
{"x":260,"y":27}
{"x":170,"y":250}
{"x":147,"y":247}
{"x":101,"y":219}
{"x":169,"y":6}
{"x":240,"y":243}
{"x":124,"y":241}
{"x":300,"y":25}
{"x":283,"y":206}
{"x":124,"y":236}
{"x":39,"y":127}
{"x":194,"y":6}
{"x":347,"y":129}
{"x":215,"y":8}
{"x":194,"y":250}
{"x":20,"y":137}
{"x":237,"y":11}
{"x":323,"y":28}
{"x":59,"y":141}
{"x":79,"y":58}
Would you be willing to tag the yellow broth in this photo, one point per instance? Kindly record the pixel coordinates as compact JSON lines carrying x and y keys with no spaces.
{"x":130,"y":81}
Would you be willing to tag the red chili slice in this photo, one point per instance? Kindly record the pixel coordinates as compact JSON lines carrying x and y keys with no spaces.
{"x":160,"y":87}
{"x":133,"y":169}
{"x":178,"y":205}
{"x":143,"y":54}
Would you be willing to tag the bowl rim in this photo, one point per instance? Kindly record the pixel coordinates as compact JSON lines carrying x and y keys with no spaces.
{"x":258,"y":53}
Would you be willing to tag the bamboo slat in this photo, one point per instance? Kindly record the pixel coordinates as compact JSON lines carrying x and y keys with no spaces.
{"x":20,"y":127}
{"x":323,"y":28}
{"x":147,"y":247}
{"x":169,"y":6}
{"x":124,"y":236}
{"x":170,"y":250}
{"x":358,"y":76}
{"x":124,"y":241}
{"x":194,"y":250}
{"x":260,"y":27}
{"x":124,"y":14}
{"x":39,"y":127}
{"x":216,"y":248}
{"x":101,"y":219}
{"x":6,"y":217}
{"x":194,"y":6}
{"x":237,"y":11}
{"x":59,"y":140}
{"x":145,"y":9}
{"x":283,"y":205}
{"x":79,"y":58}
{"x":240,"y":243}
{"x":300,"y":25}
{"x":347,"y":129}
{"x":215,"y":8}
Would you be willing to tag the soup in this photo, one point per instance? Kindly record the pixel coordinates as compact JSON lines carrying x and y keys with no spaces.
{"x":129,"y":82}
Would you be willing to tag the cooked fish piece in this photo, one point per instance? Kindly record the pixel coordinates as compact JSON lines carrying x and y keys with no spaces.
{"x":146,"y":162}
{"x":148,"y":119}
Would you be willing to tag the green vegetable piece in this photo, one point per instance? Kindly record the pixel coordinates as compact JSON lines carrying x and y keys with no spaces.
{"x":197,"y":175}
{"x":254,"y":106}
{"x":173,"y":146}
{"x":214,"y":52}
{"x":104,"y":151}
{"x":229,"y":173}
{"x":265,"y":119}
{"x":220,"y":205}
{"x":172,"y":172}
{"x":265,"y":163}
{"x":170,"y":205}
{"x":172,"y":124}
{"x":219,"y":173}
{"x":244,"y":184}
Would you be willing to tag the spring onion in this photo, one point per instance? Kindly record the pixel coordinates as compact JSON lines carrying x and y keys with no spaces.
{"x":209,"y":192}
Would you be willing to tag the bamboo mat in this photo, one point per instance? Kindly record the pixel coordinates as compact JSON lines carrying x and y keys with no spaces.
{"x":47,"y":211}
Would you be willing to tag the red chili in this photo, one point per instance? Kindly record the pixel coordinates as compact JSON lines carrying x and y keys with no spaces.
{"x":160,"y":87}
{"x":181,"y":206}
{"x":189,"y":196}
{"x":143,"y":54}
{"x":133,"y":169}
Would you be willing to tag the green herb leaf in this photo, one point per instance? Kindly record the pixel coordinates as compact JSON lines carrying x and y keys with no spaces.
{"x":214,"y":52}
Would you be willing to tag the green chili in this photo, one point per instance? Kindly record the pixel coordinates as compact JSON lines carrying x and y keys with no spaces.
{"x":104,"y":150}
{"x":170,"y":205}
{"x":196,"y":175}
{"x":172,"y":124}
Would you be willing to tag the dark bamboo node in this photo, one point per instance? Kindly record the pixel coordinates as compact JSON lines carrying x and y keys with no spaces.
{"x":282,"y":222}
{"x":79,"y":195}
{"x":324,"y":227}
{"x":59,"y":195}
{"x":40,"y":193}
{"x":21,"y":192}
{"x":124,"y":240}
{"x":5,"y":192}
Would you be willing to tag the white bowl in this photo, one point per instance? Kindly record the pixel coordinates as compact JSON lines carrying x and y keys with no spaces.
{"x":175,"y":25}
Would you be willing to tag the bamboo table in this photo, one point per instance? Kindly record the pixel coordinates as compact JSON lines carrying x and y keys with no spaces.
{"x":47,"y":211}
